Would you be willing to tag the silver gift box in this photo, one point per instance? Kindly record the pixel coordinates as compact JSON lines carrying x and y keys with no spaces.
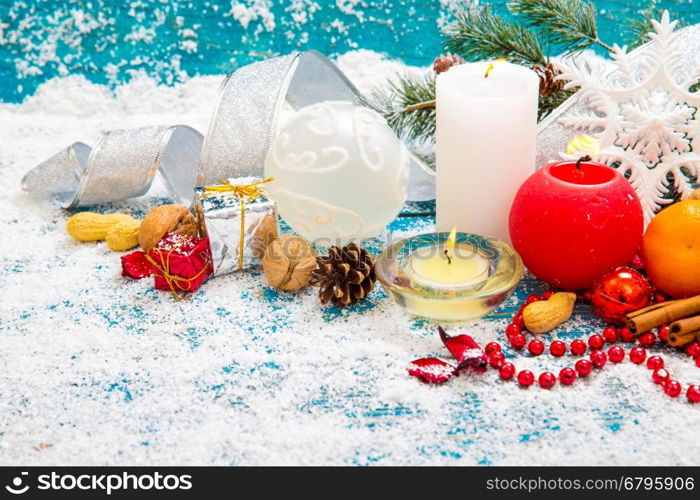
{"x":219,"y":217}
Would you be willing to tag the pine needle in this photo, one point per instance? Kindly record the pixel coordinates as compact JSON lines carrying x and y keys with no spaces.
{"x":571,"y":24}
{"x":477,"y":33}
{"x":408,"y":105}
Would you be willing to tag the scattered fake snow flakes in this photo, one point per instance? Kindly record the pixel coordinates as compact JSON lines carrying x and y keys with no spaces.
{"x":110,"y":371}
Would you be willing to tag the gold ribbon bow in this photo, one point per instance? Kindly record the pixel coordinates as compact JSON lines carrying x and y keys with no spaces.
{"x":244,"y":192}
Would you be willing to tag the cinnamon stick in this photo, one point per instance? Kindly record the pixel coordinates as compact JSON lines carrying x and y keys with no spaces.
{"x":650,"y":317}
{"x":684,"y":326}
{"x":676,"y":339}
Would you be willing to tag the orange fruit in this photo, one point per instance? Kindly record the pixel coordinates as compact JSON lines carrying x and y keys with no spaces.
{"x":671,"y":249}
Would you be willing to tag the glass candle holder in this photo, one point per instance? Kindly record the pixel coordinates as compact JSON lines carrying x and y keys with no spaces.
{"x":449,"y":279}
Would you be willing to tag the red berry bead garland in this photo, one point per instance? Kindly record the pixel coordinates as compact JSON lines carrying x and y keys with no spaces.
{"x":492,"y":347}
{"x":638,"y":355}
{"x":672,"y":388}
{"x":578,"y":347}
{"x":626,"y":335}
{"x":526,"y":378}
{"x":655,"y":363}
{"x":598,"y":358}
{"x":610,"y":335}
{"x":647,"y":339}
{"x":567,"y":376}
{"x":596,"y":342}
{"x":515,"y":332}
{"x":694,"y":393}
{"x":583,"y":367}
{"x":536,"y":347}
{"x":660,"y":376}
{"x":557,"y":348}
{"x":547,"y":380}
{"x":506,"y":371}
{"x":518,"y":341}
{"x":496,"y":359}
{"x":616,"y":354}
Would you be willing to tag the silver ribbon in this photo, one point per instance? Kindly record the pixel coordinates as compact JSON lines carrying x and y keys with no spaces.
{"x":242,"y":128}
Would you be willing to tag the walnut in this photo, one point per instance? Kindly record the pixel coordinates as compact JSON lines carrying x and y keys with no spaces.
{"x":165,"y":219}
{"x":288,"y":263}
{"x":265,"y":233}
{"x":695,"y":195}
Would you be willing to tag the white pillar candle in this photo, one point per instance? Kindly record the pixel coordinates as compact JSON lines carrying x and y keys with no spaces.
{"x":486,"y":136}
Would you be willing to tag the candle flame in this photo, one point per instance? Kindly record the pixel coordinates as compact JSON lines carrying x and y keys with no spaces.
{"x":583,"y":145}
{"x":492,"y":65}
{"x":452,"y":238}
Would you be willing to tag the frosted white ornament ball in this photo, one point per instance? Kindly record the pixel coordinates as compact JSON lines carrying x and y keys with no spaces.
{"x":340,"y":173}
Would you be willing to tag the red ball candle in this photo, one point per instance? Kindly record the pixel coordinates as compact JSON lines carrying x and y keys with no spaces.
{"x":573,"y":221}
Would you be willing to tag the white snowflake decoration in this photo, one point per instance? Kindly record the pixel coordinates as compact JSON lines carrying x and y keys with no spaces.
{"x":641,"y":109}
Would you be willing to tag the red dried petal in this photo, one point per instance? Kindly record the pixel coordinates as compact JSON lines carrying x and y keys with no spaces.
{"x":465,"y":350}
{"x":135,"y":265}
{"x":431,"y":370}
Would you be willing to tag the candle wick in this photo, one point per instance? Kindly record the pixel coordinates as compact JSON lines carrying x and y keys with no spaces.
{"x":582,"y":159}
{"x":449,"y":261}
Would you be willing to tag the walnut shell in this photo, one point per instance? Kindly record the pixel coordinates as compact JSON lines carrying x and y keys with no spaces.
{"x":288,"y":263}
{"x":265,"y":233}
{"x":165,"y":219}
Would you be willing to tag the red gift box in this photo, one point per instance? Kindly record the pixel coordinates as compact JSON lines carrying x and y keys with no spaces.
{"x":181,"y":263}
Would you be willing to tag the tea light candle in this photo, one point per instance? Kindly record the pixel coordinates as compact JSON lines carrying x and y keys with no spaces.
{"x":448,"y":264}
{"x":486,"y":137}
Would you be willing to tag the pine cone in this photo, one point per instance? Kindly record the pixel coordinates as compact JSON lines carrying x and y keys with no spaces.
{"x":548,"y":83}
{"x":345,"y":277}
{"x":445,"y":62}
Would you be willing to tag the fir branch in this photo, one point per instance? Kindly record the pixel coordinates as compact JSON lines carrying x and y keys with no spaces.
{"x":408,"y":105}
{"x":640,"y":27}
{"x":477,"y":33}
{"x":571,"y":24}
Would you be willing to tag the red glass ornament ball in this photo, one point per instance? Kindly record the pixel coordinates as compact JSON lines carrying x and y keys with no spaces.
{"x":518,"y":320}
{"x":693,"y":393}
{"x":610,"y":335}
{"x":547,"y":380}
{"x":663,"y":333}
{"x":598,"y":358}
{"x":626,"y":335}
{"x":672,"y":388}
{"x":525,"y":378}
{"x":536,"y":347}
{"x":492,"y":347}
{"x":655,"y":362}
{"x":647,"y":339}
{"x":512,"y":330}
{"x":506,"y":371}
{"x":638,"y":355}
{"x":557,"y":348}
{"x":570,"y":223}
{"x":660,"y":376}
{"x":496,"y":359}
{"x":616,"y":354}
{"x":567,"y":376}
{"x":596,"y":342}
{"x":583,"y":367}
{"x":697,"y":361}
{"x":518,"y":341}
{"x":618,"y":292}
{"x":578,"y":347}
{"x":546,"y":295}
{"x":693,"y":350}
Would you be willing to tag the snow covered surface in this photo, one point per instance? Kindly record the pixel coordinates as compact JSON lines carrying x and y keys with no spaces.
{"x":100,"y":370}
